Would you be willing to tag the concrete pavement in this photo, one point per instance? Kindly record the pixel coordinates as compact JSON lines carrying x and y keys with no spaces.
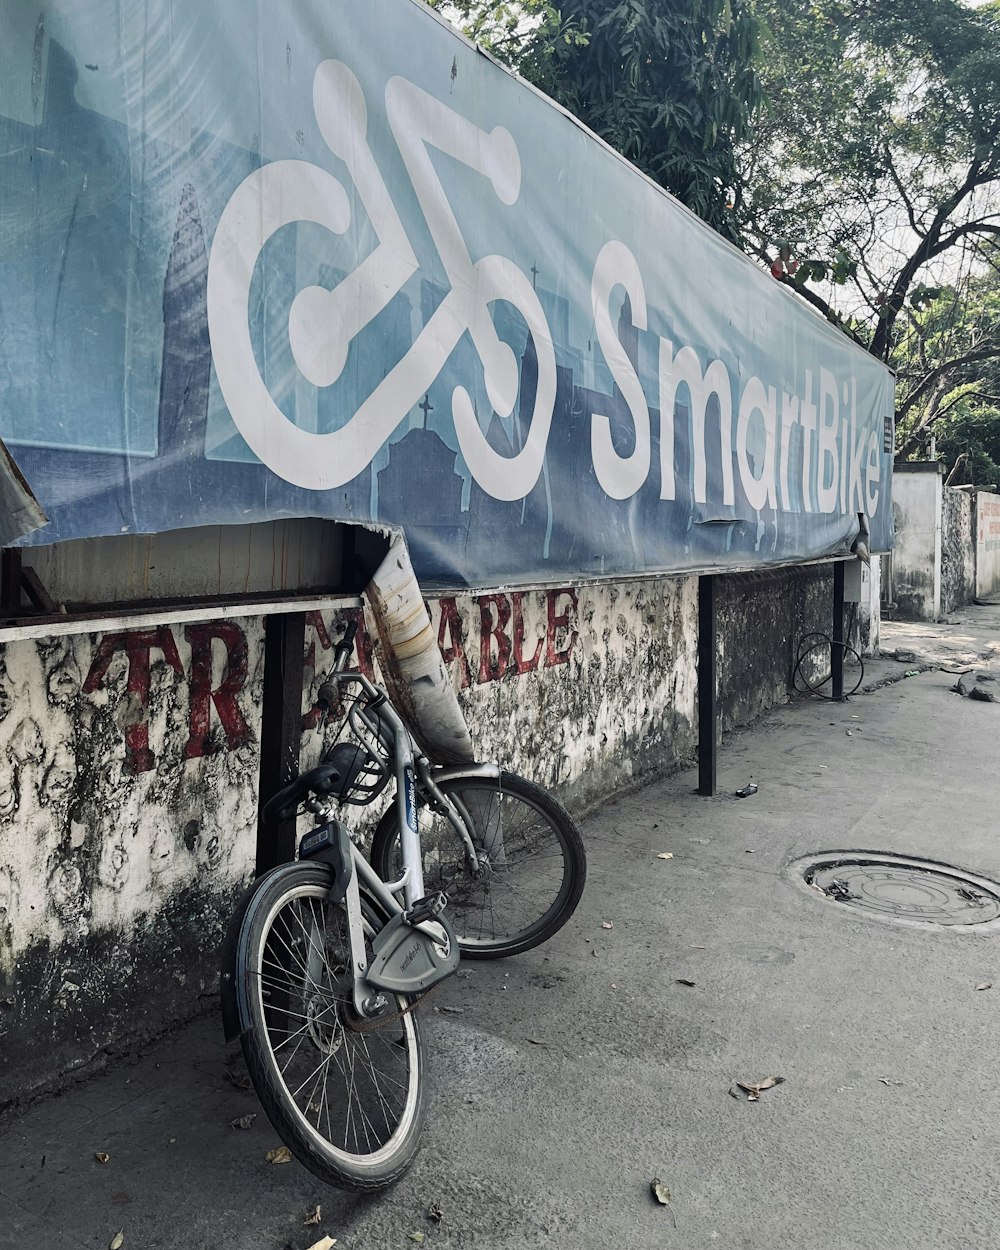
{"x":566,"y":1078}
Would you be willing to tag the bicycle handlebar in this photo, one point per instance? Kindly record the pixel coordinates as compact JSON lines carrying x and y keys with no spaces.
{"x":344,"y":648}
{"x":326,"y":696}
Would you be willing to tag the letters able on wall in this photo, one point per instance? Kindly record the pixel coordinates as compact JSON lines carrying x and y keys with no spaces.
{"x":508,"y":638}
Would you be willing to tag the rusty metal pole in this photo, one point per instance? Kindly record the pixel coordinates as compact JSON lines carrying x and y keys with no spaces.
{"x":837,"y":646}
{"x":708,"y":709}
{"x":281,"y":730}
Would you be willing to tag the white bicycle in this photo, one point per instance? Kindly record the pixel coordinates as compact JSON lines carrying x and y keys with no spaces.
{"x":322,"y":323}
{"x":327,"y":957}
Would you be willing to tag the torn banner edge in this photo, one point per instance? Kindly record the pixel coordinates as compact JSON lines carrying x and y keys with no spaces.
{"x":20,"y":512}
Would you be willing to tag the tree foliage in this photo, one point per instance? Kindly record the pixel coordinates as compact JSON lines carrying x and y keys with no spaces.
{"x":671,"y":84}
{"x":874,"y":182}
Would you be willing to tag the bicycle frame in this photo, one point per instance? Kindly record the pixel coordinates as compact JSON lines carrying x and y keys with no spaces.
{"x":411,"y":883}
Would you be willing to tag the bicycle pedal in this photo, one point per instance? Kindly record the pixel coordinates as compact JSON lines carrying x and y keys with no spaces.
{"x":428,"y":908}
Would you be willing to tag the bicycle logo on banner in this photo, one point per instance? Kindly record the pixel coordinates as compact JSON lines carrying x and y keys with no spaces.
{"x":322,"y":323}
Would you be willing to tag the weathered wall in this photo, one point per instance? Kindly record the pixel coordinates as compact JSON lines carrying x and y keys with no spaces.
{"x":916,"y":560}
{"x":129,"y":767}
{"x":866,"y":633}
{"x":958,"y":551}
{"x":762,"y":618}
{"x":586,"y":689}
{"x":987,"y":544}
{"x":581,"y":689}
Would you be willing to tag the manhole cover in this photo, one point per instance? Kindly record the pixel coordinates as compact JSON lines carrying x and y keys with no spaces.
{"x":902,"y":890}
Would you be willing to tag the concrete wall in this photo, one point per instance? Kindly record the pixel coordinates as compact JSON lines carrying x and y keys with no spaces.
{"x":129,"y":761}
{"x":762,"y":617}
{"x":916,"y":560}
{"x":987,"y":544}
{"x":958,"y":551}
{"x":128,"y":770}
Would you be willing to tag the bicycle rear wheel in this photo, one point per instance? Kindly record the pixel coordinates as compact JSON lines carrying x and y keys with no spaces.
{"x":345,"y":1097}
{"x":532,"y":863}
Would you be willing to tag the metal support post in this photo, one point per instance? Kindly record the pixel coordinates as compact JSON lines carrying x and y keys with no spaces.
{"x":708,"y":709}
{"x":281,"y":730}
{"x":10,"y":579}
{"x":837,"y":646}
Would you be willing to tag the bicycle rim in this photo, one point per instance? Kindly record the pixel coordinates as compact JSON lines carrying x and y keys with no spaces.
{"x":530,"y":873}
{"x":348,"y":1101}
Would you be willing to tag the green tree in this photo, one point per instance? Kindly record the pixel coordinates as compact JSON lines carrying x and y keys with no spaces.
{"x":671,"y":84}
{"x":873,"y":181}
{"x":948,"y":360}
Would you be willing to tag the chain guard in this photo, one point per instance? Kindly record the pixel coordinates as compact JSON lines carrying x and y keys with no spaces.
{"x":408,"y":959}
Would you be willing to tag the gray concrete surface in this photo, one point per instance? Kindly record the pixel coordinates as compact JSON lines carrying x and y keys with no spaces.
{"x":577,"y":1072}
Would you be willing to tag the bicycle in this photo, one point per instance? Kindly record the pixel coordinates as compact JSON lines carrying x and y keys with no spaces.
{"x":328,"y":957}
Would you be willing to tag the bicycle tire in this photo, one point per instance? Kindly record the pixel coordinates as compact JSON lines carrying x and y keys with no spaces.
{"x":276,"y":969}
{"x":446,"y":868}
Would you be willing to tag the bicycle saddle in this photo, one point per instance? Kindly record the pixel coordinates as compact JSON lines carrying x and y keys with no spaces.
{"x":322,"y":779}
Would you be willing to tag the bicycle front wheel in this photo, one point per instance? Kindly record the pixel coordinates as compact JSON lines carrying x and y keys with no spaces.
{"x":347,"y":1098}
{"x":531,"y":863}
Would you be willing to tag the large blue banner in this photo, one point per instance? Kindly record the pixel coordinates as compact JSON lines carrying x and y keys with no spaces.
{"x":319,"y":258}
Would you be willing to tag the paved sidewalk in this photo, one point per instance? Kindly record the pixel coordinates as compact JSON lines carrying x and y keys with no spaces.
{"x":568,"y":1077}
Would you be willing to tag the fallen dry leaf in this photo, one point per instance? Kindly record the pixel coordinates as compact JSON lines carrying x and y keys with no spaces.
{"x":453,"y":1011}
{"x":315,"y":1218}
{"x":435,"y":1213}
{"x":753,"y":1089}
{"x":417,"y":1237}
{"x":607,"y":924}
{"x":102,"y":1157}
{"x":985,"y":985}
{"x":324,"y":1243}
{"x":665,"y":855}
{"x":280,"y":1154}
{"x":594,"y":952}
{"x":685,"y":981}
{"x":117,"y":1241}
{"x":537,"y":1041}
{"x":244,"y":1121}
{"x":662,"y":1195}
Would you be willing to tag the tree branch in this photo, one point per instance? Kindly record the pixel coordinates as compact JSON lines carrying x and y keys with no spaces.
{"x":929,"y":247}
{"x":824,"y":307}
{"x":939,"y":371}
{"x":902,"y":194}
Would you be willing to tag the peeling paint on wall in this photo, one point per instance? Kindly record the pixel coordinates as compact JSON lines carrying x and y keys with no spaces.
{"x":541,"y":675}
{"x":128,"y":777}
{"x":916,"y":558}
{"x":958,"y":550}
{"x":987,"y":544}
{"x":129,"y":770}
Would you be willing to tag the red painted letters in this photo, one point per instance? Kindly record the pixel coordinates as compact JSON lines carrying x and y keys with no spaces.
{"x":450,"y":625}
{"x":137,"y":645}
{"x":520,"y":663}
{"x":238,"y":732}
{"x":565,"y":620}
{"x":491,"y":669}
